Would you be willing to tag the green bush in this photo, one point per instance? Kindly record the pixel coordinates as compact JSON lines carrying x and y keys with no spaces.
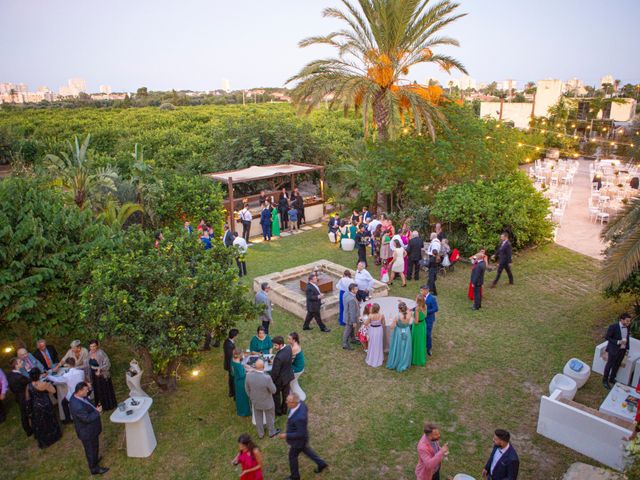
{"x":484,"y":209}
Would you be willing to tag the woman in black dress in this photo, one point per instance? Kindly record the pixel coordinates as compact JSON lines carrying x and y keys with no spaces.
{"x":44,"y":422}
{"x":100,"y":367}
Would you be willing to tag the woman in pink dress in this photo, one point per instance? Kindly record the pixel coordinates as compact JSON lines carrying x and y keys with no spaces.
{"x":249,"y":458}
{"x":404,"y":236}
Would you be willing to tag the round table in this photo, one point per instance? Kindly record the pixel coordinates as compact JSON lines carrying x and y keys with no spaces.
{"x":388,"y":308}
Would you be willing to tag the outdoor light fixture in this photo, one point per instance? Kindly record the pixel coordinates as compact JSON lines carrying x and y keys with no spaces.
{"x":195,"y":373}
{"x":613,"y":144}
{"x":543,"y":131}
{"x":8,"y":349}
{"x":573,"y":125}
{"x":559,"y":135}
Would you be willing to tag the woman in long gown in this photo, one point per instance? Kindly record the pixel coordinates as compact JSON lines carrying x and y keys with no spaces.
{"x":275,"y":221}
{"x":375,"y":351}
{"x":100,"y":366}
{"x":377,"y":243}
{"x":249,"y":458}
{"x":404,"y":236}
{"x":243,"y":409}
{"x":44,"y":422}
{"x":400,"y":349}
{"x":419,"y":334}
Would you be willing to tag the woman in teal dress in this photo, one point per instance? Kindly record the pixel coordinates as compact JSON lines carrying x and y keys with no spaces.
{"x":243,"y":408}
{"x":275,"y":221}
{"x":353,"y":229}
{"x":400,"y":348}
{"x":261,"y":342}
{"x":296,"y":350}
{"x":419,"y":334}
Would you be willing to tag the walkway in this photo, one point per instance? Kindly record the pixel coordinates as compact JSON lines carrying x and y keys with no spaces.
{"x":576,"y":232}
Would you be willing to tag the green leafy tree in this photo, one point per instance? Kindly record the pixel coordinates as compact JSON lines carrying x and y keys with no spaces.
{"x":382,"y":40}
{"x":484,"y":209}
{"x":42,"y":243}
{"x":623,"y":254}
{"x":163,"y":301}
{"x":115,"y":216}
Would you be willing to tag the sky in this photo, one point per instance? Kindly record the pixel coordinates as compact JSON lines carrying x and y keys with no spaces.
{"x":195,"y":44}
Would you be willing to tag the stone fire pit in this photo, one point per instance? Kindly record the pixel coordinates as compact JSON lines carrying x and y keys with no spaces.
{"x":286,"y":292}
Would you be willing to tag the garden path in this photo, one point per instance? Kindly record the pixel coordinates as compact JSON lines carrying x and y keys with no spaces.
{"x":576,"y":231}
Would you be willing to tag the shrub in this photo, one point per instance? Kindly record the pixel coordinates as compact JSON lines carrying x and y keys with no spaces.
{"x":484,"y":209}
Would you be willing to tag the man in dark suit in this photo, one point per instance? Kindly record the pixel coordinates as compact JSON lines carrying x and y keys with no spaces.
{"x":228,"y":348}
{"x":46,"y":354}
{"x":18,"y":385}
{"x":503,"y":463}
{"x":297,"y":437}
{"x":414,"y":255}
{"x":313,"y":304}
{"x":477,"y":279}
{"x":281,"y":374}
{"x":503,"y":255}
{"x":617,"y":347}
{"x":86,"y":418}
{"x":227,"y":238}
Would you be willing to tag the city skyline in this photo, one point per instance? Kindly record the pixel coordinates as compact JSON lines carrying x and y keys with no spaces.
{"x":256,"y":46}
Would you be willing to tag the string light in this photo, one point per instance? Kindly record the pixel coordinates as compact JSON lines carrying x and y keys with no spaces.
{"x":195,"y":373}
{"x":8,"y":349}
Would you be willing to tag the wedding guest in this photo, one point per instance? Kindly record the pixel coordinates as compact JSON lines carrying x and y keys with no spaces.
{"x":275,"y":220}
{"x":71,"y":378}
{"x":474,"y":262}
{"x":375,"y":347}
{"x":261,"y":342}
{"x":430,"y":454}
{"x":262,"y":298}
{"x":504,"y":256}
{"x":343,"y":287}
{"x":86,"y":418}
{"x":241,"y":251}
{"x":353,"y":230}
{"x":202,"y":226}
{"x":377,"y":243}
{"x":245,"y":219}
{"x":293,"y":217}
{"x":439,"y":232}
{"x":263,"y":197}
{"x":314,"y":298}
{"x":397,"y":265}
{"x":297,"y":365}
{"x":431,"y":304}
{"x":477,"y":280}
{"x":351,"y":314}
{"x":249,"y":458}
{"x":503,"y":463}
{"x":227,"y":236}
{"x":28,"y":362}
{"x":385,"y":245}
{"x":419,"y":333}
{"x":434,"y":244}
{"x":228,"y":347}
{"x":434,"y":265}
{"x":362,"y":240}
{"x":79,"y":353}
{"x":332,"y":228}
{"x":298,"y":202}
{"x":18,"y":386}
{"x":243,"y":409}
{"x":355,"y":217}
{"x":414,"y":255}
{"x":100,"y":374}
{"x":44,"y":422}
{"x":400,"y":349}
{"x":365,"y":282}
{"x":47,"y":355}
{"x":4,"y":386}
{"x":265,"y":222}
{"x":366,"y":214}
{"x":261,"y":390}
{"x":617,"y":337}
{"x":363,"y":331}
{"x":159,"y":237}
{"x":282,"y":374}
{"x":187,"y":228}
{"x":205,"y":239}
{"x":297,"y":437}
{"x":283,"y":208}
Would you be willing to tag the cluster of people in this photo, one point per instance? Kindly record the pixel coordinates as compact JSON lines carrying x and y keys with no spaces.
{"x":33,"y":378}
{"x":285,"y":214}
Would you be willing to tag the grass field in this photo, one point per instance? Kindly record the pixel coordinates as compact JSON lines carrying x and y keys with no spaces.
{"x":488,"y":370}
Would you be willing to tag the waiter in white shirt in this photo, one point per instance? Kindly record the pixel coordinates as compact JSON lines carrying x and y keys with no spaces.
{"x":364,"y":280}
{"x":73,"y":377}
{"x":245,"y":219}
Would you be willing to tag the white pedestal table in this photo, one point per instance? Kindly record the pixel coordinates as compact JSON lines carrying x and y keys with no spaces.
{"x":141,"y":441}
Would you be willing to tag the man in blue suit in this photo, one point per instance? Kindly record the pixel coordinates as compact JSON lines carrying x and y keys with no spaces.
{"x":265,"y":222}
{"x":86,"y":418}
{"x":432,"y":308}
{"x":297,"y":437}
{"x":503,"y":463}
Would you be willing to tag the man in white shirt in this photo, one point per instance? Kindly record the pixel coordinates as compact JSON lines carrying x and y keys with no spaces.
{"x":241,"y":246}
{"x":365,"y":282}
{"x":434,"y":244}
{"x":245,"y":219}
{"x":73,"y":377}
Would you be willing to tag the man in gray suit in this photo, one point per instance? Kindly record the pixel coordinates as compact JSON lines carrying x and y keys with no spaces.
{"x":260,"y":388}
{"x":262,"y":298}
{"x":351,"y":314}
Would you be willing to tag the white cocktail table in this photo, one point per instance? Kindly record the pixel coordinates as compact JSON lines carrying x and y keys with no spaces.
{"x":612,"y":405}
{"x":141,"y":441}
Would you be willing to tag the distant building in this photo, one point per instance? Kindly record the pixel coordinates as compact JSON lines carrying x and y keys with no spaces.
{"x":508,"y":85}
{"x":108,"y":96}
{"x":607,"y":79}
{"x":105,"y":89}
{"x":548,"y":93}
{"x":78,"y":85}
{"x":226,"y":85}
{"x":574,"y":87}
{"x":467,"y":83}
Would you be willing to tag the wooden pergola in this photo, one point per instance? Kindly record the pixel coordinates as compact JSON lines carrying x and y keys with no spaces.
{"x":265,"y":172}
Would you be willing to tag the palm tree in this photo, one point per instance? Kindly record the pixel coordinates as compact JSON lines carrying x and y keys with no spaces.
{"x":73,"y":172}
{"x":382,"y":40}
{"x":623,"y":255}
{"x":115,"y":216}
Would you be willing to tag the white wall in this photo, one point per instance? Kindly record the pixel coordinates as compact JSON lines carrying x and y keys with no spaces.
{"x":623,"y":112}
{"x":582,"y":431}
{"x":518,"y":113}
{"x":547,"y":95}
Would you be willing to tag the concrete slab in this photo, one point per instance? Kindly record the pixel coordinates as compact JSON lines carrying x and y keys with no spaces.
{"x":582,"y":471}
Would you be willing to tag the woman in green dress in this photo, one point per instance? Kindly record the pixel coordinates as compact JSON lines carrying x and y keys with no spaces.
{"x":419,"y":334}
{"x":275,"y":221}
{"x":297,"y":365}
{"x":243,"y":408}
{"x":261,"y":342}
{"x":353,"y":229}
{"x":400,"y":348}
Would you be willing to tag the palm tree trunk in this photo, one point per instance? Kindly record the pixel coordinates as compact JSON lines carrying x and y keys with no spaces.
{"x":381,"y":117}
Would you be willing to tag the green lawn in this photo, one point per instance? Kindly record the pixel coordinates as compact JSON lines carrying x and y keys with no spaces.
{"x":488,"y":370}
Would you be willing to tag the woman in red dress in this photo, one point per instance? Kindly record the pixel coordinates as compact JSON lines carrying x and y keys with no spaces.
{"x":250,"y":459}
